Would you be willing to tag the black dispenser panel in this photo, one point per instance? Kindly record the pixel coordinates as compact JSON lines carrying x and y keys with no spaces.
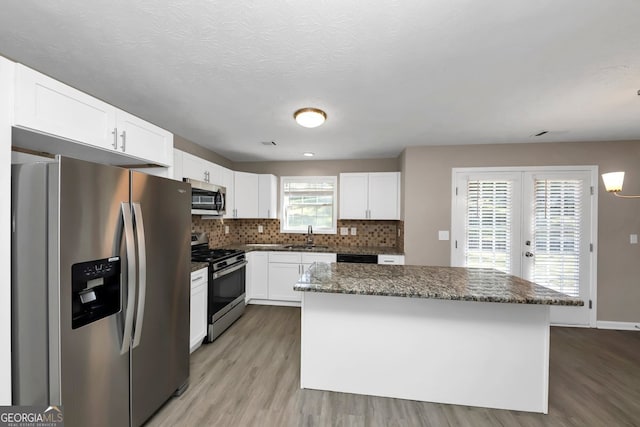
{"x":95,"y":290}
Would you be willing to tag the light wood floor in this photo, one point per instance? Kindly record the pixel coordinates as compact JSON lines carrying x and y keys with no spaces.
{"x":250,"y":377}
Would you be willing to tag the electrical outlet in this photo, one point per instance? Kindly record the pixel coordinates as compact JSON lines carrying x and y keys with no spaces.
{"x":354,"y":231}
{"x":398,"y":232}
{"x":260,"y":229}
{"x":633,"y":239}
{"x":344,"y":231}
{"x":226,"y":229}
{"x":443,"y":235}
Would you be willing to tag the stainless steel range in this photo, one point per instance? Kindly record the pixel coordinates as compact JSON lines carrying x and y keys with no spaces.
{"x":226,"y":291}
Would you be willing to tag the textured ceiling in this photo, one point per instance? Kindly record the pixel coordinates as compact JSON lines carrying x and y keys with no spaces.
{"x":389,"y":73}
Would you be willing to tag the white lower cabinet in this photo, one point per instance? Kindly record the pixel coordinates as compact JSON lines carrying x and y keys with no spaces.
{"x":391,"y":259}
{"x":257,"y":272}
{"x":282,"y":277}
{"x":285,"y":268}
{"x":272,"y":275}
{"x":198,"y":312}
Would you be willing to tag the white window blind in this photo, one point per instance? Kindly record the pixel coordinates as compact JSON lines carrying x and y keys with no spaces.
{"x":488,"y":224}
{"x":308,"y":201}
{"x":557,"y":220}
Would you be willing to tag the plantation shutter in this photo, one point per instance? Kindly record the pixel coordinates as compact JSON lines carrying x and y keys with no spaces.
{"x":488,"y":224}
{"x":557,"y":222}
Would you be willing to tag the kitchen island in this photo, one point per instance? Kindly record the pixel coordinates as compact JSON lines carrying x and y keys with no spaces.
{"x":476,"y":337}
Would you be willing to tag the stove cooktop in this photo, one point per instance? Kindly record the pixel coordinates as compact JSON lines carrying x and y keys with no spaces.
{"x":204,"y":254}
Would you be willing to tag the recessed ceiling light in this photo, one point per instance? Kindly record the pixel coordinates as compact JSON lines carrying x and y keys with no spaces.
{"x":310,"y":117}
{"x":308,"y":154}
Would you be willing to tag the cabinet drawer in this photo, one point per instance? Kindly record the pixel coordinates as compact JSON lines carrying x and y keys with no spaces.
{"x":391,"y":259}
{"x":288,"y":257}
{"x":199,"y":278}
{"x":318,"y":257}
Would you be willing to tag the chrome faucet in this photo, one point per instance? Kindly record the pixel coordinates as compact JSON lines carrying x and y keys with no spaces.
{"x":310,"y":236}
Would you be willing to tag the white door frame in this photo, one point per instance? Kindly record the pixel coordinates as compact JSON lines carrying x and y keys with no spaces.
{"x":458,"y":235}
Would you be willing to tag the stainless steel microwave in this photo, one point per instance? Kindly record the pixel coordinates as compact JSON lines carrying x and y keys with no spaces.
{"x":207,"y":199}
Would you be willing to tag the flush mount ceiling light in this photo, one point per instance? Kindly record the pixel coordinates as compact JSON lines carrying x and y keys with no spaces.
{"x":310,"y":117}
{"x":613,"y":184}
{"x":308,"y":154}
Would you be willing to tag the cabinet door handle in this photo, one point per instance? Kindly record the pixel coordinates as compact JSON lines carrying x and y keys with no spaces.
{"x":114,"y":132}
{"x":123,"y":135}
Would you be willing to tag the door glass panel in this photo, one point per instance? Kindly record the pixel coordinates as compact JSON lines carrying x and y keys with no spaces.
{"x":557,"y":220}
{"x":488,"y":224}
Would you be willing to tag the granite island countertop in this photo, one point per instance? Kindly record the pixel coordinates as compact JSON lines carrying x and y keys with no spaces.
{"x":413,"y":281}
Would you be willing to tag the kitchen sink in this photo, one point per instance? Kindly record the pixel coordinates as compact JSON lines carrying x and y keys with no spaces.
{"x":263,"y":245}
{"x":305,"y":247}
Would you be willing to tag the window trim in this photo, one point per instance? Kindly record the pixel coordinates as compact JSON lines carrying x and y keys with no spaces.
{"x":334,"y":219}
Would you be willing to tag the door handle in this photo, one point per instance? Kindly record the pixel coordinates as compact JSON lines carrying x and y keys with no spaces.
{"x":123,"y":135}
{"x":131,"y":276}
{"x":528,"y":254}
{"x":114,"y":132}
{"x":142,"y":272}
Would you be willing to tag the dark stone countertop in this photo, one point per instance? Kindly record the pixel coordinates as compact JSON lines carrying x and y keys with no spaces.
{"x":449,"y":283}
{"x":361,"y":250}
{"x":195,"y":266}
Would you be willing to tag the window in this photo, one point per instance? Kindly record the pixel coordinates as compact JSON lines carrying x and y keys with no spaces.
{"x":308,"y":200}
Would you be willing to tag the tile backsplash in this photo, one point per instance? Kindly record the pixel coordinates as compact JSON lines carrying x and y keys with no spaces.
{"x":368,"y":233}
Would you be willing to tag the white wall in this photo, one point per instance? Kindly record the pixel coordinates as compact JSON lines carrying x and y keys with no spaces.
{"x":6,"y":111}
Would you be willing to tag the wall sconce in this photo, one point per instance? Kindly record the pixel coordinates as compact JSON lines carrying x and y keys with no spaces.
{"x":613,"y":184}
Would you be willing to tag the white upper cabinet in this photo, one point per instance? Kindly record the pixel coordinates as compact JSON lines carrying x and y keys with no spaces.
{"x":46,"y":105}
{"x":51,"y":107}
{"x":246,"y":194}
{"x":202,"y":170}
{"x":384,"y":195}
{"x":193,"y":167}
{"x":267,"y":196}
{"x":228,"y":183}
{"x":370,"y":195}
{"x":144,"y":140}
{"x":354,"y":195}
{"x":177,"y":164}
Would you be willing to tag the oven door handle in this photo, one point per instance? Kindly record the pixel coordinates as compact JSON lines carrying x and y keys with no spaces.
{"x":229,"y":270}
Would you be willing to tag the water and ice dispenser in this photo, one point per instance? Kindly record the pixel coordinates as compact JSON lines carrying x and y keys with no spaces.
{"x":95,"y":290}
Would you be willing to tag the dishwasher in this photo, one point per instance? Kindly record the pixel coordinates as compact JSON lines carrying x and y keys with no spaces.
{"x":357,"y":258}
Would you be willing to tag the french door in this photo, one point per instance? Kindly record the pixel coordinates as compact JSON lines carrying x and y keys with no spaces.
{"x":536,"y":223}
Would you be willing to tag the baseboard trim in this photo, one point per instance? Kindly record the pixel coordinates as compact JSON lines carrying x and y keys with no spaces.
{"x":273,"y":302}
{"x":621,"y":326}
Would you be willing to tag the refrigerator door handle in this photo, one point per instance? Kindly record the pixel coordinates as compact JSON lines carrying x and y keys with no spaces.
{"x":131,"y":276}
{"x":142,"y":272}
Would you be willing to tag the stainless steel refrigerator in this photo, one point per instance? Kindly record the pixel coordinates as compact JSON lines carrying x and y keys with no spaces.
{"x":100,"y":290}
